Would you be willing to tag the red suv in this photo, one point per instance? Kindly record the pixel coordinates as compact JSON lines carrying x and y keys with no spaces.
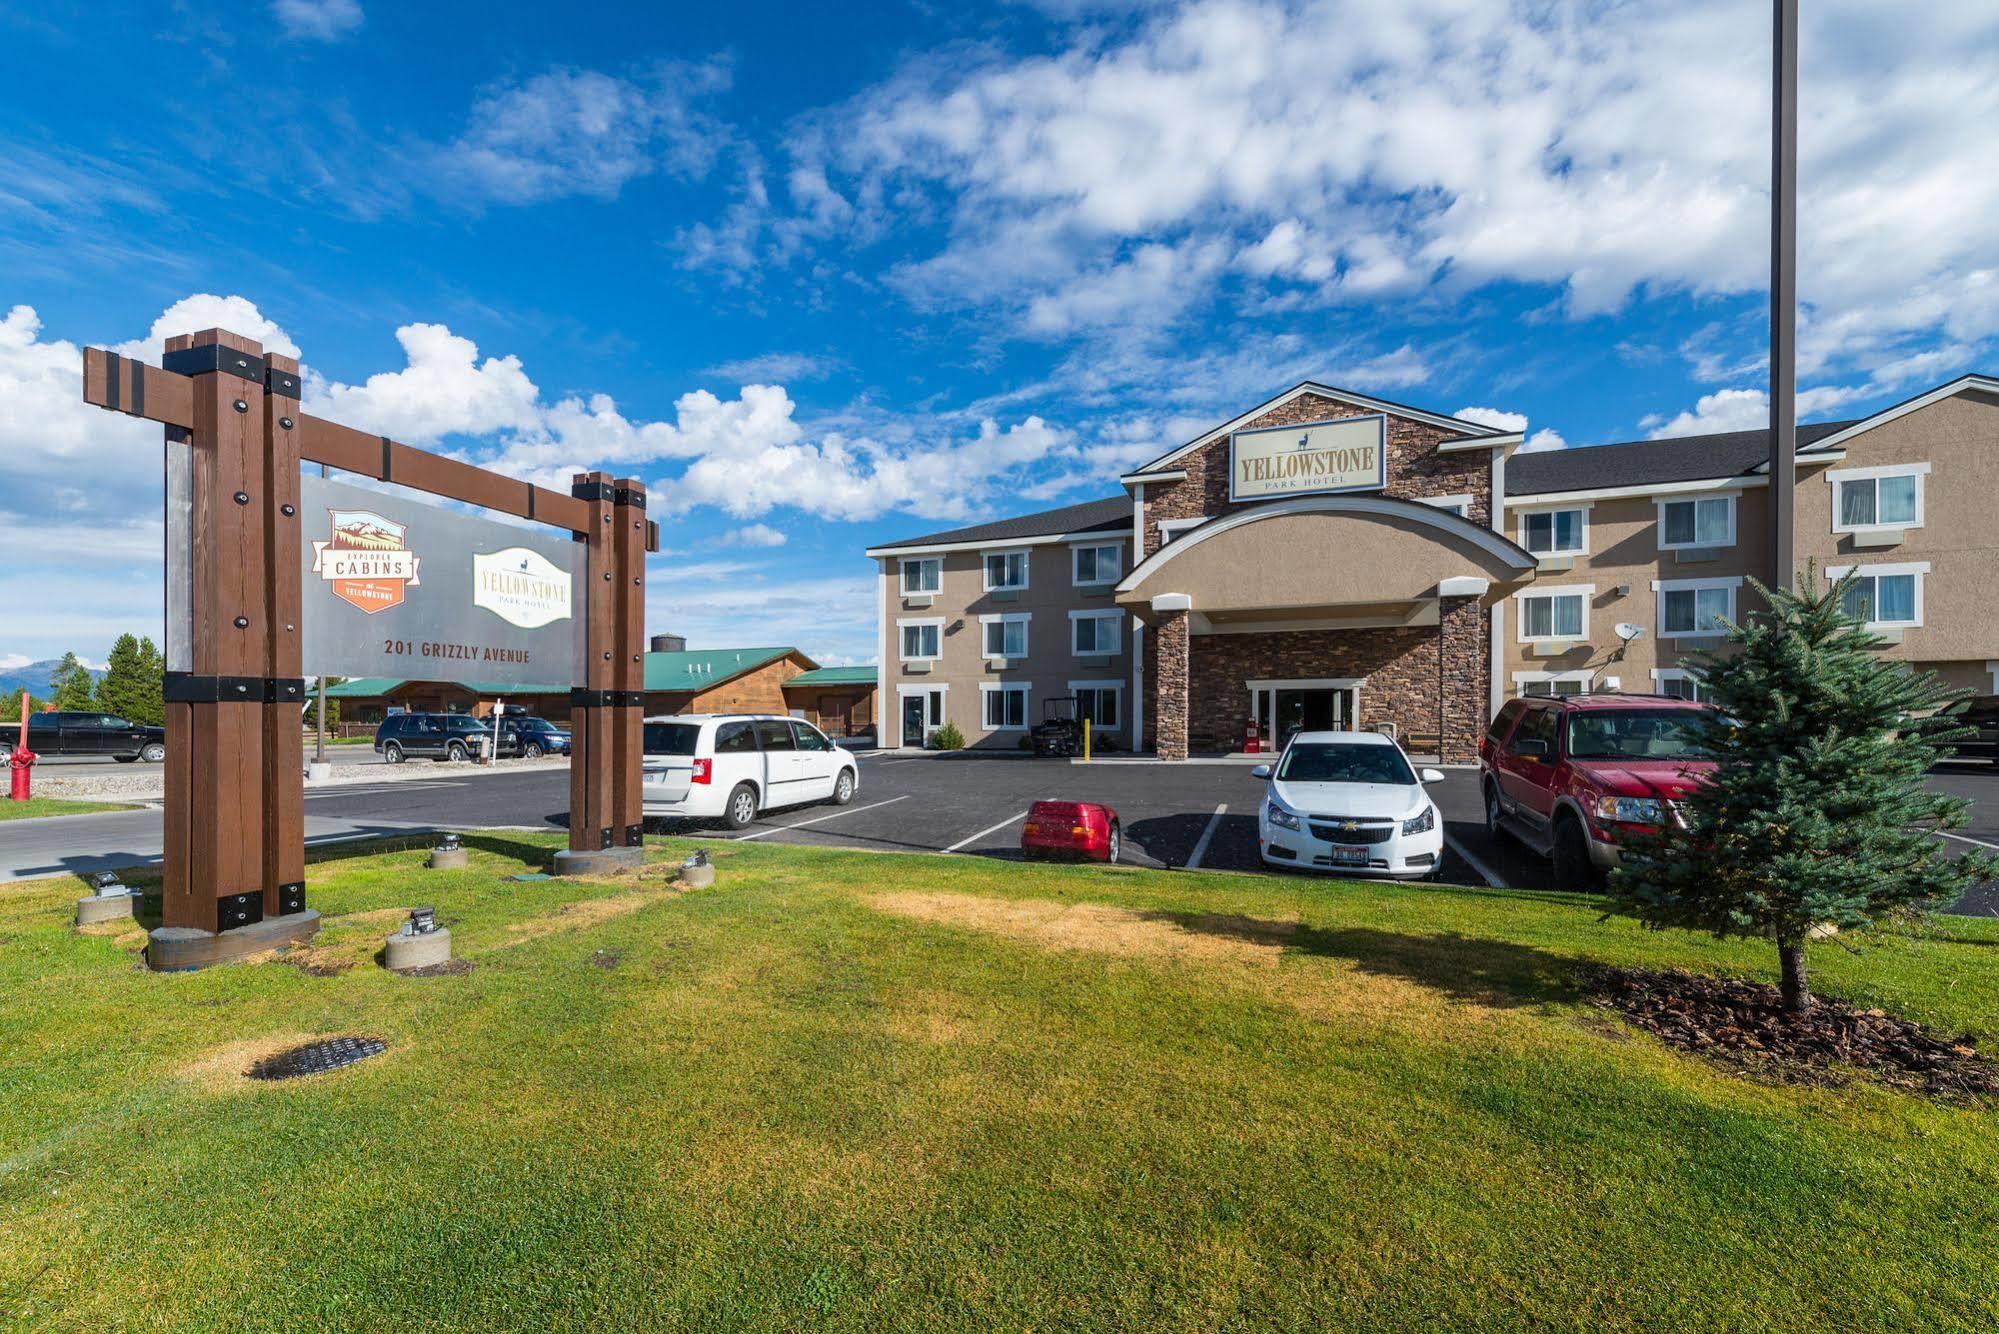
{"x":1568,"y":775}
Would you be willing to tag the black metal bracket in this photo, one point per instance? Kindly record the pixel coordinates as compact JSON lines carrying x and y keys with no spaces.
{"x":187,"y":688}
{"x":604,"y":837}
{"x":579,"y":698}
{"x":279,"y":382}
{"x":593,"y":491}
{"x":237,"y":910}
{"x":625,"y":495}
{"x":117,"y":378}
{"x":291,"y":898}
{"x":635,"y":835}
{"x":212,"y":357}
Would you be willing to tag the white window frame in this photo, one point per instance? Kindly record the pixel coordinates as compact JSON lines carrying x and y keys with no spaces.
{"x":1461,"y":504}
{"x":942,"y":711}
{"x":1917,"y":570}
{"x":1661,"y":587}
{"x":1582,"y":533}
{"x":905,"y":622}
{"x":987,"y":689}
{"x":1116,"y":688}
{"x":986,"y":570}
{"x":1587,"y":592}
{"x":1664,"y":676}
{"x":1076,"y":555}
{"x":1116,"y":618}
{"x":1521,"y":680}
{"x":1665,"y":502}
{"x":936,"y":563}
{"x":1172,"y":528}
{"x":1837,"y":477}
{"x":1024,"y":619}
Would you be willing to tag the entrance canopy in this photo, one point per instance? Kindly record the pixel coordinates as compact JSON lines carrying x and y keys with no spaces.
{"x":1325,"y":561}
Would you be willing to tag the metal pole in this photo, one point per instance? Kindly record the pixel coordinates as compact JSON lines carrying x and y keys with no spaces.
{"x":1784,"y":297}
{"x":319,"y":711}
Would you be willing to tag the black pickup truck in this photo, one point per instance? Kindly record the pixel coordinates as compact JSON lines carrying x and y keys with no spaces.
{"x":56,"y":733}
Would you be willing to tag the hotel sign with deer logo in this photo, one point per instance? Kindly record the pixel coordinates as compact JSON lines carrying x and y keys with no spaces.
{"x":398,"y":588}
{"x":1313,"y":458}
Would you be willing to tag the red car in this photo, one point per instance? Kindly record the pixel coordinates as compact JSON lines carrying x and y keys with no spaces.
{"x":1077,"y":829}
{"x":1567,"y":776}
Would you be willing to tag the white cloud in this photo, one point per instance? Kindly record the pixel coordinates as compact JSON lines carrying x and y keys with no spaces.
{"x":754,"y":535}
{"x":1723,"y":410}
{"x":1545,"y":439}
{"x":205,"y":310}
{"x":1496,"y":418}
{"x":444,"y":389}
{"x":317,"y":20}
{"x":774,"y":368}
{"x":582,"y":132}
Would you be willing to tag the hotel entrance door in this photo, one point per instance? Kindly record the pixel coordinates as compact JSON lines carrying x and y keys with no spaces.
{"x":1284,"y":707}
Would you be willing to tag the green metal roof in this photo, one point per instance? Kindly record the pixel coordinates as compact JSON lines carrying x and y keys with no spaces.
{"x":699,"y":669}
{"x":837,"y":676}
{"x":363,"y":687}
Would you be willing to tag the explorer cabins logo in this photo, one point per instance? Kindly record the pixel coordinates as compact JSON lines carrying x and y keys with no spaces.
{"x":366,"y":562}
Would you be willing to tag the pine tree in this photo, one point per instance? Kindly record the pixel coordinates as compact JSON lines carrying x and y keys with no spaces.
{"x":149,"y":703}
{"x":72,"y":688}
{"x":118,"y":689}
{"x":1817,"y":814}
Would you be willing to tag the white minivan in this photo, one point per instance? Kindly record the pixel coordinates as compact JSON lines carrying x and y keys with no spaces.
{"x":731,"y":766}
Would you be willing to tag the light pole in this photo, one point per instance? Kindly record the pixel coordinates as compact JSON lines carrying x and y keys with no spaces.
{"x":1784,"y":297}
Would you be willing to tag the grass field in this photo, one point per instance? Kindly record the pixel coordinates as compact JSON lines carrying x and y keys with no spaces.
{"x":850,"y":1091}
{"x":35,"y":807}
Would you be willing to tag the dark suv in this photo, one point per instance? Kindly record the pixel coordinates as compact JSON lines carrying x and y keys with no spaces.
{"x":530,"y":737}
{"x":72,"y":733}
{"x":438,"y":736}
{"x":1981,"y":715}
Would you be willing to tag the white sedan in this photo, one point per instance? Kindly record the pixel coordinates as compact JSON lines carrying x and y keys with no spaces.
{"x":1348,"y":801}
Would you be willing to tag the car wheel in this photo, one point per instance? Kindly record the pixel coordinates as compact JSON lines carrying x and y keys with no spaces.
{"x":1495,"y":820}
{"x":1114,"y":844}
{"x":1573,"y":870}
{"x":153,"y":752}
{"x":392,"y":753}
{"x":456,"y":752}
{"x":531,"y":751}
{"x":742,"y":807}
{"x":843,"y":788}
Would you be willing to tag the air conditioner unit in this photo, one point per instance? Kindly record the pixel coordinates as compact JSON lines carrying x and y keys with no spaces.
{"x":1550,"y":648}
{"x":915,"y":600}
{"x":1557,"y":564}
{"x":1876,"y":539}
{"x":1696,"y":556}
{"x":915,"y":668}
{"x":1889,"y":636}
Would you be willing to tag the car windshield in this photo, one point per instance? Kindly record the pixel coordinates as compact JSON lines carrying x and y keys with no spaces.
{"x":671,"y":738}
{"x":536,"y":725}
{"x":1344,"y":762}
{"x":1634,"y":734}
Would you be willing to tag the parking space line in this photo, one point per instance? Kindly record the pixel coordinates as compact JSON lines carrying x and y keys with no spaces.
{"x":1207,"y":835}
{"x":1485,"y":872}
{"x":1975,"y":842}
{"x":967,"y":842}
{"x":851,"y":810}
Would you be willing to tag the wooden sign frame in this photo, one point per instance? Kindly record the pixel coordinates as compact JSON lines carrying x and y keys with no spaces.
{"x":235,"y":808}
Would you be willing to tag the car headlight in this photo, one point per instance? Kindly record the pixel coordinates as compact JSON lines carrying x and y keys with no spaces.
{"x":1282,"y":818}
{"x":1631,"y":810}
{"x":1421,"y":823}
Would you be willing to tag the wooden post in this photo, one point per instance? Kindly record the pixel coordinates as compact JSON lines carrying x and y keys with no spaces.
{"x":284,"y":742}
{"x":628,"y":715}
{"x":590,"y":813}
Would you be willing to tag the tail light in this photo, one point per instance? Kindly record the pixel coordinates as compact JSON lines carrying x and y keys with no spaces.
{"x":704,"y":771}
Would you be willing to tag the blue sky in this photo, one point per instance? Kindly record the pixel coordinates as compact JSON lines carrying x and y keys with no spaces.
{"x":830,"y":275}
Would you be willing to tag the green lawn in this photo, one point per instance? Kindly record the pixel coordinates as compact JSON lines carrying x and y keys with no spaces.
{"x":35,"y":807}
{"x":852,"y":1091}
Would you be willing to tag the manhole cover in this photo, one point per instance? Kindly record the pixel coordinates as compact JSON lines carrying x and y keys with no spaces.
{"x":316,"y":1058}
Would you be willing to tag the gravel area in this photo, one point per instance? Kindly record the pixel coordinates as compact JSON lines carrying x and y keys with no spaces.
{"x":102,"y":784}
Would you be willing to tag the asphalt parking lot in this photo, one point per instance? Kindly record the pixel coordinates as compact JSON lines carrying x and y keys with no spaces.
{"x":1179,"y":816}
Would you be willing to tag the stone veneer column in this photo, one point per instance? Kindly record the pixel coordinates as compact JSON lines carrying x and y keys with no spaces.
{"x":1169,"y":684}
{"x":1462,"y":625}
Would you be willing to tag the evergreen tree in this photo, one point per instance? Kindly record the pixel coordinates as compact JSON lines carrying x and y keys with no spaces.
{"x":117,"y":689}
{"x":332,"y":707}
{"x":149,"y":704}
{"x":1817,"y":814}
{"x":72,"y":688}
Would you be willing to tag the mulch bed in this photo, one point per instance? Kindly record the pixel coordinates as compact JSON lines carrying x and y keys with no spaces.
{"x":449,"y":968}
{"x":1744,"y":1026}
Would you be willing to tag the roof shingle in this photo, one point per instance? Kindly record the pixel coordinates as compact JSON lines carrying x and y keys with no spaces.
{"x":1688,"y":458}
{"x":1089,"y":517}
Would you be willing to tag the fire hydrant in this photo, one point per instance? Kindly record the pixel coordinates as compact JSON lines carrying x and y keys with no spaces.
{"x":21,"y":761}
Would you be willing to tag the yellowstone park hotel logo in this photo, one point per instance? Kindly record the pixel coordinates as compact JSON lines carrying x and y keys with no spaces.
{"x":366,"y":562}
{"x":1315,"y":458}
{"x":521,"y":587}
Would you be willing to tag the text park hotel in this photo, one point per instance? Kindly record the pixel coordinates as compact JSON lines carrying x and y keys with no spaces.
{"x":1328,"y":559}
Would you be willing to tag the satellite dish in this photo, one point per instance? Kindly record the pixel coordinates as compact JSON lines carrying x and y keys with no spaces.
{"x":1627,"y":632}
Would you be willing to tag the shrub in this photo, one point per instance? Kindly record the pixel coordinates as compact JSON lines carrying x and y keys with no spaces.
{"x":947,"y":737}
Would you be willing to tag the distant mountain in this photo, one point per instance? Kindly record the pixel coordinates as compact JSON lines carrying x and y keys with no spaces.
{"x":33,"y":678}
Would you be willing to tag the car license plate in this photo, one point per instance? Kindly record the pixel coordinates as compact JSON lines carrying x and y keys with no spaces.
{"x":1347,"y":856}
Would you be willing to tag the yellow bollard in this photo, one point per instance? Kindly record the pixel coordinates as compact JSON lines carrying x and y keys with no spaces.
{"x":1086,"y":740}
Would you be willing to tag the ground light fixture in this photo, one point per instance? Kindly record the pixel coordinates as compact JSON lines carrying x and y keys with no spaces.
{"x":697,"y":872}
{"x":448,"y":855}
{"x":421,"y":942}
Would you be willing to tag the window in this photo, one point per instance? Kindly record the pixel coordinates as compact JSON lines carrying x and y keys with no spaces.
{"x":735,"y":739}
{"x":1458,"y":505}
{"x":1172,"y":528}
{"x":1555,"y":532}
{"x":1677,"y":682}
{"x":1884,"y":596}
{"x":1703,"y":521}
{"x":1694,"y":607}
{"x":1005,"y":636}
{"x":775,"y":734}
{"x":1098,"y":565}
{"x":1551,"y":685}
{"x":1094,"y":633}
{"x":922,"y":575}
{"x":1005,"y":571}
{"x":1503,"y":721}
{"x":1886,"y":497}
{"x":1538,"y":725}
{"x":1099,"y":702}
{"x":921,"y":640}
{"x":1004,"y":706}
{"x":1555,"y":614}
{"x":810,"y":737}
